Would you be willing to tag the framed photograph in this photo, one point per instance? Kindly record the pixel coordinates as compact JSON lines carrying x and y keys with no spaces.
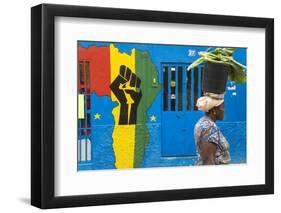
{"x":136,"y":106}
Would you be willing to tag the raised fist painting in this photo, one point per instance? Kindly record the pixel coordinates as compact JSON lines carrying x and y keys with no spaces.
{"x":126,"y":88}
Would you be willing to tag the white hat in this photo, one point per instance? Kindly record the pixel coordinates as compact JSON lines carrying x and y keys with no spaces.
{"x":209,"y":101}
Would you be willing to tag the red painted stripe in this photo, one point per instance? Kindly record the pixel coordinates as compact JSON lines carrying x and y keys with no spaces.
{"x":99,"y":58}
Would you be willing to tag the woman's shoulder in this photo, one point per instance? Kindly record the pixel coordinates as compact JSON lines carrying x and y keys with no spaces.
{"x":205,"y":123}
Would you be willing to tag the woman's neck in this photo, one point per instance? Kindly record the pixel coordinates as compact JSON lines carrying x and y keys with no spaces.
{"x":212,"y":117}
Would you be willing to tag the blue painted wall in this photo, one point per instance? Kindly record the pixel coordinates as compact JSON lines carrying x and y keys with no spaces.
{"x":171,"y":135}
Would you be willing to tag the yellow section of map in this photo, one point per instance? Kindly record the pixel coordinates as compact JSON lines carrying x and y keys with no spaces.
{"x":123,"y":135}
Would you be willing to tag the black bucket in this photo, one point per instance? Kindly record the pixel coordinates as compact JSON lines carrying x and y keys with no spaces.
{"x":215,"y":77}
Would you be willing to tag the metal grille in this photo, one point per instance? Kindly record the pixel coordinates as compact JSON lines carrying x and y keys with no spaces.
{"x":182,"y":88}
{"x":84,"y":125}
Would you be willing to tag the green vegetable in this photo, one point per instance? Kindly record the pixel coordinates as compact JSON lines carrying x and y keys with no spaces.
{"x":223,"y":55}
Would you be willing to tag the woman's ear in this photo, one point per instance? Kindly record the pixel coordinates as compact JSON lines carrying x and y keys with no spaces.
{"x":212,"y":112}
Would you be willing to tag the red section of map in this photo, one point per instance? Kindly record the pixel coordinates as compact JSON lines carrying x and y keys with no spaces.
{"x":99,"y":59}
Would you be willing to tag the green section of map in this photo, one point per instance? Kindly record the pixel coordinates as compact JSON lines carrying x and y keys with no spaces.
{"x":150,"y":87}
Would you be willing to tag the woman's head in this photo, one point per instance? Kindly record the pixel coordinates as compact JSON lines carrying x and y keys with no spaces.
{"x":212,"y":106}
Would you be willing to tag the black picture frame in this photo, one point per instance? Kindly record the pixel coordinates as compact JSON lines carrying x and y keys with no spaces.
{"x":43,"y":105}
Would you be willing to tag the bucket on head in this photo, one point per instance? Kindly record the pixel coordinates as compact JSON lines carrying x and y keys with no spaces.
{"x":215,"y":77}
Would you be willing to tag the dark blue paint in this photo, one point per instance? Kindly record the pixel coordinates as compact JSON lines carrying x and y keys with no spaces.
{"x":101,"y":138}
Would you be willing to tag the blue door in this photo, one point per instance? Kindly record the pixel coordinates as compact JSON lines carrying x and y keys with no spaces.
{"x":181,"y":89}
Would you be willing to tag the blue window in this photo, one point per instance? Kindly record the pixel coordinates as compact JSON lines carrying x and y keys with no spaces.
{"x":84,"y":125}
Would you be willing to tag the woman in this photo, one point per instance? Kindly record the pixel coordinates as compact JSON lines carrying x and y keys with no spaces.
{"x":212,"y":147}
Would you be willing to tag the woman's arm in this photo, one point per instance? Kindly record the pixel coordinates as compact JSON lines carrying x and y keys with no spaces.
{"x":208,"y":152}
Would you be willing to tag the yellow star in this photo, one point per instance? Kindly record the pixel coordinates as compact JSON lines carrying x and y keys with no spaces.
{"x":153,"y":118}
{"x":97,"y":116}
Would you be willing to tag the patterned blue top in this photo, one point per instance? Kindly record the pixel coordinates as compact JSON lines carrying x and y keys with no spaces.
{"x":207,"y":130}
